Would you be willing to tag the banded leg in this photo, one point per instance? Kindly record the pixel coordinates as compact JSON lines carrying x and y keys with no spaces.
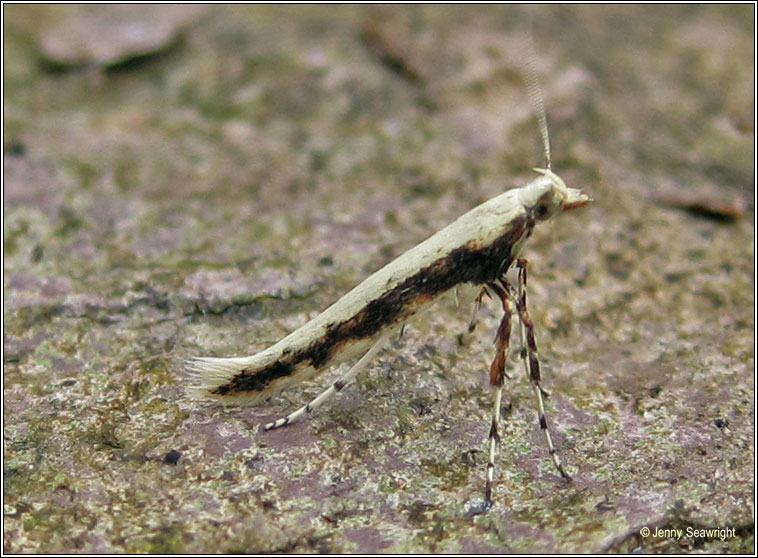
{"x":336,"y":387}
{"x":497,"y":379}
{"x":477,"y":306}
{"x":531,"y":362}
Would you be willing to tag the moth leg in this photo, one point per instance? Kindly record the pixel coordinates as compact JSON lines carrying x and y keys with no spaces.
{"x":336,"y":387}
{"x":497,"y":379}
{"x":475,"y":314}
{"x":531,"y":362}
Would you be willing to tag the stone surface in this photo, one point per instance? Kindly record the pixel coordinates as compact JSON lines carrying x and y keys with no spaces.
{"x":108,"y":35}
{"x":211,"y":200}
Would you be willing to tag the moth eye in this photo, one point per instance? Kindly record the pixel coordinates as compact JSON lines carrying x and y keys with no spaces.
{"x":541,"y":211}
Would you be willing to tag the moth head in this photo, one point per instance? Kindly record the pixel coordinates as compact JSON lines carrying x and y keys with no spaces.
{"x":549,"y":195}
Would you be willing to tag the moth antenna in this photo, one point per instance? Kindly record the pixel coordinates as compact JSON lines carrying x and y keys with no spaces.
{"x":534,"y":92}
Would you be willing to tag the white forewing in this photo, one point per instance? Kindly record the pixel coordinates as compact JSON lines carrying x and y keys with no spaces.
{"x":480,"y":226}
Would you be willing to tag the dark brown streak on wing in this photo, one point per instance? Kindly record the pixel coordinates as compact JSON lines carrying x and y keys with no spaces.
{"x":467,"y":264}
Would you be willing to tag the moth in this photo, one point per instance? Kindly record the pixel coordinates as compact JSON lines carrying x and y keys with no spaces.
{"x":476,"y":250}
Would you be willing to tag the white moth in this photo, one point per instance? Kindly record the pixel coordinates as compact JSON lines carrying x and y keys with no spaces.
{"x":477,"y":249}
